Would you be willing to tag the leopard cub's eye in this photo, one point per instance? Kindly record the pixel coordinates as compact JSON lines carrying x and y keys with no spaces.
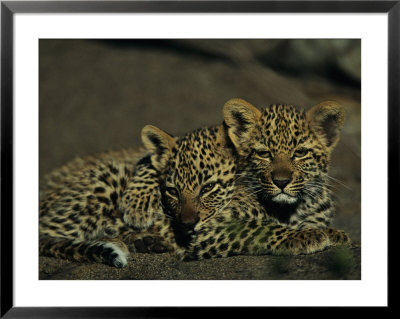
{"x":264,"y":154}
{"x":207,"y":187}
{"x":172,"y":191}
{"x":300,"y":152}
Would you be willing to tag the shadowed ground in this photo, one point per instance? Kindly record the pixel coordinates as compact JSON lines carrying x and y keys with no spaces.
{"x":330,"y":264}
{"x":97,"y":95}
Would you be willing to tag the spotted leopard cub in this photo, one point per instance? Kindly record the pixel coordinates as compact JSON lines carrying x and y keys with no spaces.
{"x":86,"y":209}
{"x":217,"y":213}
{"x":284,"y":154}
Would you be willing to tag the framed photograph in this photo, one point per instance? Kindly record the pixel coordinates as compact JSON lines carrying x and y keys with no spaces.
{"x":265,"y":132}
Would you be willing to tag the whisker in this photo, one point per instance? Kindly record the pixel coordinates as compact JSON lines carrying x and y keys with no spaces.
{"x":337,"y":181}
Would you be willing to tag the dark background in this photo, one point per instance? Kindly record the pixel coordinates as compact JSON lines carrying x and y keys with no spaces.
{"x":96,"y":95}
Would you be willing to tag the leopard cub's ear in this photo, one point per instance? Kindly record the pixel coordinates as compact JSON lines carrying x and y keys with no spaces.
{"x":240,"y":117}
{"x":159,"y":144}
{"x":326,"y":120}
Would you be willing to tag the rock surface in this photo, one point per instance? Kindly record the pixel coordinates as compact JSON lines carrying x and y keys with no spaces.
{"x":331,"y":264}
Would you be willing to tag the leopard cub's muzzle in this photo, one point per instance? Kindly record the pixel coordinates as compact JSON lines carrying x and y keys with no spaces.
{"x":189,"y":217}
{"x":279,"y":181}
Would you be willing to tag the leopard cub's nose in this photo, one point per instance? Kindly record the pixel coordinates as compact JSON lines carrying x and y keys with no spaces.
{"x":281,"y":182}
{"x":191,"y":224}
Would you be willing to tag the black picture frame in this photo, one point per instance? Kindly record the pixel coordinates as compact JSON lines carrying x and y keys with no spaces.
{"x":9,"y":8}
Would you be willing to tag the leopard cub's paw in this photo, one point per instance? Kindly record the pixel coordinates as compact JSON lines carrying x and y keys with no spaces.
{"x":338,"y":237}
{"x":142,"y":243}
{"x":305,"y":241}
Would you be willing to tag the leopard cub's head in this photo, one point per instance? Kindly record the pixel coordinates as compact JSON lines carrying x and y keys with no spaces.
{"x":284,"y":152}
{"x":199,"y":170}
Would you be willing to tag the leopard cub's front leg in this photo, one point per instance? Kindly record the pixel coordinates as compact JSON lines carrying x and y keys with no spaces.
{"x":141,"y":199}
{"x":255,"y":237}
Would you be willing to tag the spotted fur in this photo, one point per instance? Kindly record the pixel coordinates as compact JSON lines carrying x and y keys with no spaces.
{"x":86,"y":209}
{"x":215,"y":185}
{"x":207,"y":193}
{"x":284,"y":154}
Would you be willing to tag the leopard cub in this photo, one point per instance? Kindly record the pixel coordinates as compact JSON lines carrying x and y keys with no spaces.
{"x":86,"y":209}
{"x":285,"y":155}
